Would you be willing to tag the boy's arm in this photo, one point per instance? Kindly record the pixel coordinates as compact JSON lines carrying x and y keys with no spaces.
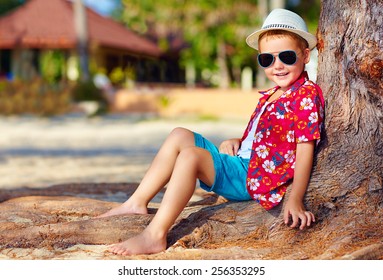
{"x":294,"y":206}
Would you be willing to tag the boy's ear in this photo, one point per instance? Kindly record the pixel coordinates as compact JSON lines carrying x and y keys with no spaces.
{"x":306,"y":54}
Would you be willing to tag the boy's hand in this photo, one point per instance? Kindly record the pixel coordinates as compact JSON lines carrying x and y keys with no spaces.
{"x":299,"y":216}
{"x":294,"y":207}
{"x":230,"y":147}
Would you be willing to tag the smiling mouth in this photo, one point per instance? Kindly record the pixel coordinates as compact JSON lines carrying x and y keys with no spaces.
{"x":281,"y":74}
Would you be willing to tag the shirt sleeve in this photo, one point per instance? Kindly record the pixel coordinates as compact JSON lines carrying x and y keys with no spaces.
{"x":308,"y":114}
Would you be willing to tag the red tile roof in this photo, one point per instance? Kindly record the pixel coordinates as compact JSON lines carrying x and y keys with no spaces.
{"x":50,"y":24}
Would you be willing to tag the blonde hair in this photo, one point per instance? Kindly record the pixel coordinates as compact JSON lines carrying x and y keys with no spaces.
{"x":302,"y":43}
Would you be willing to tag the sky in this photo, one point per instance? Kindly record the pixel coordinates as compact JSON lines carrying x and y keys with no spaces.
{"x":104,"y":7}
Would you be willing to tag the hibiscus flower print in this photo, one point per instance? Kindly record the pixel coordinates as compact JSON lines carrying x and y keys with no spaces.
{"x":280,"y":115}
{"x":307,"y":104}
{"x":302,"y":139}
{"x":262,"y":151}
{"x":290,"y":156}
{"x":259,"y":197}
{"x":253,"y":184}
{"x":280,"y":111}
{"x":275,"y":198}
{"x":258,"y":137}
{"x":287,"y":106}
{"x":290,"y":136}
{"x":313,"y":117}
{"x":269,"y":166}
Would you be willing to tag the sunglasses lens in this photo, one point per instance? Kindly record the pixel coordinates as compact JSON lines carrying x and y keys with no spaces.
{"x":265,"y":59}
{"x":288,"y":57}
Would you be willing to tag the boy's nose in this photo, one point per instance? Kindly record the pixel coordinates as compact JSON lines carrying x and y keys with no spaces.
{"x":277,"y":63}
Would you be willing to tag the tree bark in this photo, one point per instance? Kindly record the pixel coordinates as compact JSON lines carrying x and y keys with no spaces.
{"x":224,"y":80}
{"x":349,"y":167}
{"x":80,"y":23}
{"x":350,"y":73}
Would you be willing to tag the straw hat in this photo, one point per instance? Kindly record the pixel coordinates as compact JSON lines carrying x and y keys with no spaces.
{"x":281,"y":19}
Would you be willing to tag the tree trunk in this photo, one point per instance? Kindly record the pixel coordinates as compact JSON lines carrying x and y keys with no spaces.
{"x":80,"y":23}
{"x":224,"y":80}
{"x":350,"y":165}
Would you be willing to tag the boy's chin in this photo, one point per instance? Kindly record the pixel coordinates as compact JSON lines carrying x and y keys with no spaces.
{"x":284,"y":86}
{"x":284,"y":82}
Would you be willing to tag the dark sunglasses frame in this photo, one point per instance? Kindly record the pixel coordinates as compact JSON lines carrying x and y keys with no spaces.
{"x":282,"y":57}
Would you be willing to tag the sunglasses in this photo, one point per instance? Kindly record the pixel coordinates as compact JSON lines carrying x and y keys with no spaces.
{"x":267,"y":59}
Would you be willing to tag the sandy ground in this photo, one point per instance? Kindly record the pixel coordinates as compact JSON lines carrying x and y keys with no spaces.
{"x":40,"y":152}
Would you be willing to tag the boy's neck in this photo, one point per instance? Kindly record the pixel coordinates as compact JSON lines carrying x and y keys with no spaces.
{"x":278,"y":93}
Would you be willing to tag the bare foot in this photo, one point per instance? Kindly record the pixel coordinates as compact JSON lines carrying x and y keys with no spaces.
{"x":126,"y":208}
{"x":144,"y":243}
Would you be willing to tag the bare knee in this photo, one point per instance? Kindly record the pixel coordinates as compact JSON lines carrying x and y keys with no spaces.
{"x":199,"y":162}
{"x":181,"y":132}
{"x":182,"y":137}
{"x":190,"y":155}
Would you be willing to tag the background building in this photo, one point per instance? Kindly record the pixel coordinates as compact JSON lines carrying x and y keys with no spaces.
{"x":42,"y":29}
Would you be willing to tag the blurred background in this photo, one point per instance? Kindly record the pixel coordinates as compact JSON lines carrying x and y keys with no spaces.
{"x":89,"y":89}
{"x":56,"y":53}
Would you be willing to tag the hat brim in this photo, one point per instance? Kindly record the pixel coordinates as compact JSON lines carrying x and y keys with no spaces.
{"x":252,"y":39}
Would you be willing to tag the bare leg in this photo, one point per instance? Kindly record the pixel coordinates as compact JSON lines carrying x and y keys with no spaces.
{"x":157,"y":175}
{"x":192,"y":163}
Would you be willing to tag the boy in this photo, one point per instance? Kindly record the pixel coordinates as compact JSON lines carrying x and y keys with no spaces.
{"x":276,"y":149}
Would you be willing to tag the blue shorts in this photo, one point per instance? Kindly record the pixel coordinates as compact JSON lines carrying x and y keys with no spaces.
{"x":230,"y":172}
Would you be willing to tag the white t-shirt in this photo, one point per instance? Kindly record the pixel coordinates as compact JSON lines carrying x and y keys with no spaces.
{"x":246,"y":145}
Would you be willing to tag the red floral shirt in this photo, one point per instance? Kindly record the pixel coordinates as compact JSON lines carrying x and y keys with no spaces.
{"x":295,"y":117}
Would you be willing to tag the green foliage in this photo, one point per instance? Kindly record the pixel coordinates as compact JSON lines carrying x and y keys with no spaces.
{"x":117,"y":76}
{"x":8,"y":5}
{"x":203,"y":25}
{"x":36,"y":97}
{"x":124,"y":77}
{"x":87,"y":91}
{"x":52,"y":64}
{"x":165,"y":101}
{"x":45,"y":99}
{"x":309,"y":10}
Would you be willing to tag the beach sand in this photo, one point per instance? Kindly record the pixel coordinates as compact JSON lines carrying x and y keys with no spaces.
{"x":39,"y":153}
{"x":57,"y":174}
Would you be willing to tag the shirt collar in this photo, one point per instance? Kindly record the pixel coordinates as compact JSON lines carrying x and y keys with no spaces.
{"x":299,"y":82}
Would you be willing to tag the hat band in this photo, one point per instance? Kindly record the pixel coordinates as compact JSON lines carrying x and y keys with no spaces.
{"x":278,"y":25}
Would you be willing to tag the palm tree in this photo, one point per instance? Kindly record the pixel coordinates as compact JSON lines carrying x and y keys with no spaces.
{"x":82,"y":38}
